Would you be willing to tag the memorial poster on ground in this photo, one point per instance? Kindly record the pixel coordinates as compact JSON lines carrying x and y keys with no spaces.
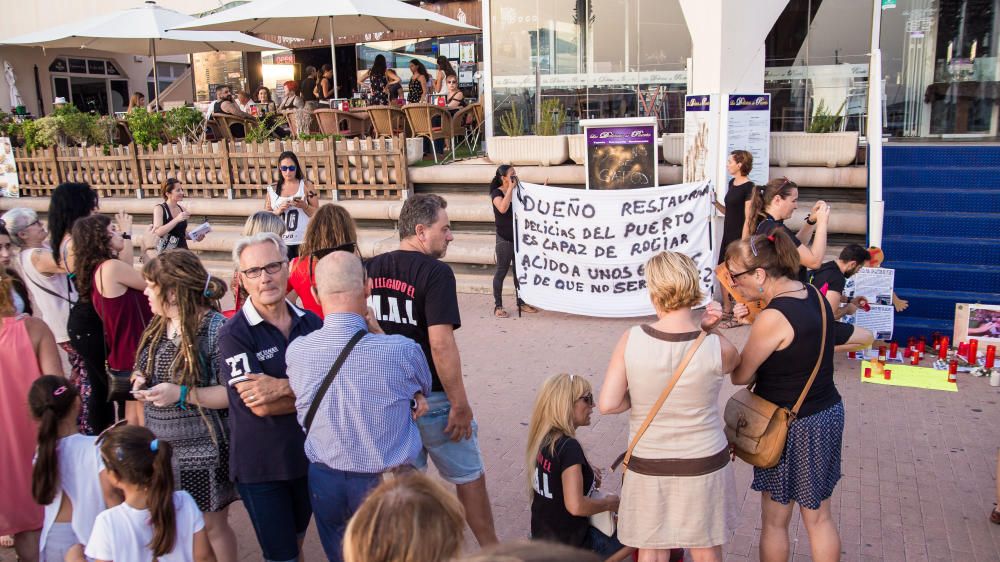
{"x":584,"y":252}
{"x":621,"y":153}
{"x":876,"y":285}
{"x":701,"y":129}
{"x":9,"y":184}
{"x":748,"y":123}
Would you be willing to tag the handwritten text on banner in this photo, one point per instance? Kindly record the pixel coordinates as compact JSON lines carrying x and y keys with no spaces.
{"x":584,"y":251}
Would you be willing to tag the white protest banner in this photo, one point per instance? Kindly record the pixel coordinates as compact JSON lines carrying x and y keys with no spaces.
{"x":584,"y":252}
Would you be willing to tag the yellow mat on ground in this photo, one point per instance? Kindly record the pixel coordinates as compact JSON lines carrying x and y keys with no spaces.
{"x":908,"y":375}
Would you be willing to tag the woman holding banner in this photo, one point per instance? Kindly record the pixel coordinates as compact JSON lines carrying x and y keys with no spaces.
{"x":501,"y":192}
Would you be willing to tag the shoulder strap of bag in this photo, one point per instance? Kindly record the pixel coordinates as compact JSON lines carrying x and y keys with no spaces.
{"x":46,"y":289}
{"x":329,"y":378}
{"x":822,"y":352}
{"x":663,"y":396}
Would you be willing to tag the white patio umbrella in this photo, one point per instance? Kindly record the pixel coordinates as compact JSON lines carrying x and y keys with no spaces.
{"x":306,"y":19}
{"x":15,"y":96}
{"x":141,"y":31}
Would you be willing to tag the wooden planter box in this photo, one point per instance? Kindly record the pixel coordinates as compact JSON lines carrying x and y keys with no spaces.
{"x":813,"y":149}
{"x":528,"y":150}
{"x":219,"y":170}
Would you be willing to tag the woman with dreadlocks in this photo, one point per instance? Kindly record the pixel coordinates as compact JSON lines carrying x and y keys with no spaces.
{"x":185,"y":404}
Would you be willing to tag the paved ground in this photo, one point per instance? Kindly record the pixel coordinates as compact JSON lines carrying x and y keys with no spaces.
{"x":919,"y":465}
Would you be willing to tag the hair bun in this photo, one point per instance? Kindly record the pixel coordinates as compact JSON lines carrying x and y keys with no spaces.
{"x":216,"y":288}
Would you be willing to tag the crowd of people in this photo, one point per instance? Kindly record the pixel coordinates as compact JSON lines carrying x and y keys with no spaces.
{"x":323,"y":394}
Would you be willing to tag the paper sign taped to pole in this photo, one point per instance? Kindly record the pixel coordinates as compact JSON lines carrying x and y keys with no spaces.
{"x":584,"y":251}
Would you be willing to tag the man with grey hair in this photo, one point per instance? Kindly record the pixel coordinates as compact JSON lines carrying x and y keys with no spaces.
{"x":358,"y":393}
{"x":414,"y":294}
{"x":266,"y":456}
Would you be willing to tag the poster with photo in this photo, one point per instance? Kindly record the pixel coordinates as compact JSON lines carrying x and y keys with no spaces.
{"x":979,"y":321}
{"x":9,"y":184}
{"x":876,"y":285}
{"x":621,"y":153}
{"x":749,"y":128}
{"x":468,"y":52}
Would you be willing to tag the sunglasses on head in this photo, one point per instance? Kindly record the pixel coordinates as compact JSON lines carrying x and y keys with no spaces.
{"x":291,"y":168}
{"x":351,"y":247}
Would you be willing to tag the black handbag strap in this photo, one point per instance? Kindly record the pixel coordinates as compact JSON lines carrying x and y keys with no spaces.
{"x":321,"y":393}
{"x":47,"y":290}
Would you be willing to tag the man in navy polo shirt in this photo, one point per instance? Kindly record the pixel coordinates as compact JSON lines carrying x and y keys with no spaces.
{"x":267,"y":458}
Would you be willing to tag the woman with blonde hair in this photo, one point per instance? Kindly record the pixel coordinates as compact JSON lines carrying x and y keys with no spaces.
{"x":177,"y":379}
{"x":679,"y":468}
{"x":331,"y":229}
{"x":409,"y":518}
{"x":138,"y":100}
{"x":559,"y":476}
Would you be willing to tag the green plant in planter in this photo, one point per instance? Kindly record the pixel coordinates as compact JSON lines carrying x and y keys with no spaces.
{"x":184,"y":123}
{"x":146,"y":127}
{"x":552,"y":118}
{"x":319,"y":137}
{"x":77,"y":127}
{"x":512,"y":122}
{"x":823,"y":121}
{"x":42,"y":133}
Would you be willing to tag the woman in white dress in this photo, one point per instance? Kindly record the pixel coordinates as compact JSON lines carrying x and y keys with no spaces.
{"x":293,"y":199}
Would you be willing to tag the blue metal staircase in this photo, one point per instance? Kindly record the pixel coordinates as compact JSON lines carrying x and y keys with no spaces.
{"x":942,"y":230}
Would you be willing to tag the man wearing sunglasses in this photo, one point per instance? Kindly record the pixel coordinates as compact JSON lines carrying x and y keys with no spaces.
{"x":267,"y":460}
{"x":414,"y":294}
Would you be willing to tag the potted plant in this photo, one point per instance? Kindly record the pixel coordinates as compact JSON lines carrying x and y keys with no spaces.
{"x":823,"y":145}
{"x":547,"y":147}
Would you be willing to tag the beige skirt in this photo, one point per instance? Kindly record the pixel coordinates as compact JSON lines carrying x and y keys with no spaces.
{"x":677,"y":511}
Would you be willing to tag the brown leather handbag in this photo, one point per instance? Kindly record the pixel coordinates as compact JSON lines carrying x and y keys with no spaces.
{"x":757,"y":428}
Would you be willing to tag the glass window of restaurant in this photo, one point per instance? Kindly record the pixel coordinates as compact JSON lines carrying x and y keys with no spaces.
{"x":464,"y":52}
{"x":939,"y":64}
{"x":599,"y":59}
{"x":215,"y":69}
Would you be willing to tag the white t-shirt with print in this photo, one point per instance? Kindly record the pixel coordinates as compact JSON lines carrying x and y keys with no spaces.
{"x":296,"y":220}
{"x":123,"y":533}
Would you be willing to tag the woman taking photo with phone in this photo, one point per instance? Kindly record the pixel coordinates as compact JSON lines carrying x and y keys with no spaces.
{"x":294,"y":199}
{"x":178,"y":383}
{"x":773,"y":204}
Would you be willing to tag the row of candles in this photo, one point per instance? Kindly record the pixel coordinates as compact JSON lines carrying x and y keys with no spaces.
{"x":916,"y":348}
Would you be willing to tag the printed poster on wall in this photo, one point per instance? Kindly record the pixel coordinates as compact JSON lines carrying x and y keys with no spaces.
{"x":749,"y":128}
{"x":583,"y":252}
{"x":701,"y":129}
{"x":9,"y":184}
{"x":621,"y":153}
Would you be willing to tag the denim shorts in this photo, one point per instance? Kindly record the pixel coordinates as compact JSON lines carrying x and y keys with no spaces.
{"x":458,"y":462}
{"x":280,"y":513}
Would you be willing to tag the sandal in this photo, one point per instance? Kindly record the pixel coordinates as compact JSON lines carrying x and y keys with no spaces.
{"x":995,"y":517}
{"x":499,"y":312}
{"x":525,"y":307}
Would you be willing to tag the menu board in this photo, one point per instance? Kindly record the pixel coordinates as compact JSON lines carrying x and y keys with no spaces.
{"x":9,"y":185}
{"x":749,"y":128}
{"x":621,"y":153}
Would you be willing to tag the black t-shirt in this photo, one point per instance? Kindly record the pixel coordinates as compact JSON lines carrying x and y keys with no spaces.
{"x":828,"y":278}
{"x":549,"y":518}
{"x":504,"y":221}
{"x":736,"y":198}
{"x":769,"y":224}
{"x":783,"y":375}
{"x":306,"y":89}
{"x":411,"y":292}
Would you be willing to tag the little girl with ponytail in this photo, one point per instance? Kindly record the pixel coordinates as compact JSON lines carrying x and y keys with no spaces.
{"x":155,"y":522}
{"x":68,"y":477}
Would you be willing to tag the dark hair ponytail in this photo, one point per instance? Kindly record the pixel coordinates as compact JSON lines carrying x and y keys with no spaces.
{"x":774,"y":252}
{"x":51,"y":398}
{"x":136,"y":456}
{"x":764,"y":194}
{"x":497,"y":180}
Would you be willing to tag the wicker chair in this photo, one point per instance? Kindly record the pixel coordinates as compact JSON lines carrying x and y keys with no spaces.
{"x":344,"y":123}
{"x":470,"y":119}
{"x":231,"y":126}
{"x":292,"y":118}
{"x":387,"y":121}
{"x":421,"y":118}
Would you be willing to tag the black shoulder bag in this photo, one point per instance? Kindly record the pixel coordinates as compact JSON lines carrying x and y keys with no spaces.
{"x":321,"y":392}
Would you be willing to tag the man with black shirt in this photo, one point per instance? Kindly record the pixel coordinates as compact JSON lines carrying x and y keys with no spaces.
{"x":830,"y":279}
{"x":414,"y":294}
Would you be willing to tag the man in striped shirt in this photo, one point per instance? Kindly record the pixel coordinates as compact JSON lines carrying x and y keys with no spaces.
{"x":364,"y":424}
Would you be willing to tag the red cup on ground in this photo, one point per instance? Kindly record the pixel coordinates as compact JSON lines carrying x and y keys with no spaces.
{"x":887,"y":374}
{"x":868,"y":372}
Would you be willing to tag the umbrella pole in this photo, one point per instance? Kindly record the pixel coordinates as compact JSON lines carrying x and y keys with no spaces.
{"x":156,"y":76}
{"x":333,"y":59}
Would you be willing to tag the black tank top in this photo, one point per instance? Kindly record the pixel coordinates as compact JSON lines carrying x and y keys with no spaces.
{"x":783,"y":375}
{"x":179,"y":231}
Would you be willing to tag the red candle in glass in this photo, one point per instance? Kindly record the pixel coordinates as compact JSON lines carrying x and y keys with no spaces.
{"x":991,"y":355}
{"x":943,"y":352}
{"x":881,"y":353}
{"x":907,"y":353}
{"x":893,"y":349}
{"x":973,"y":348}
{"x":887,"y":374}
{"x":852,"y":355}
{"x":921,"y":347}
{"x":963,"y":349}
{"x":868,"y":372}
{"x":915,"y":359}
{"x":952,"y":367}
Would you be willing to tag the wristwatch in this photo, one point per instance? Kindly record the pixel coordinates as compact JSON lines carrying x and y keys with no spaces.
{"x":126,"y":236}
{"x":810,"y":221}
